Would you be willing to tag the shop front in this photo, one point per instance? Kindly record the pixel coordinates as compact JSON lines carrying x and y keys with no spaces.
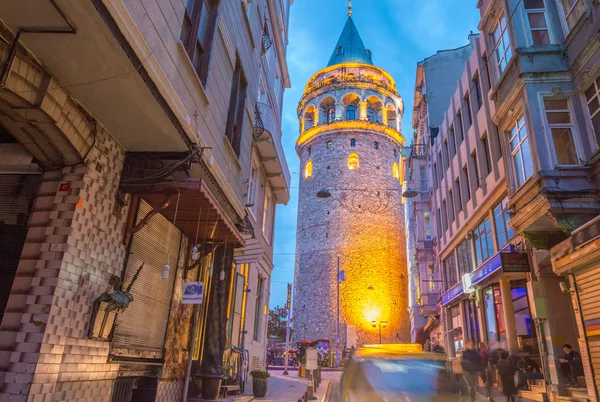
{"x":578,"y":260}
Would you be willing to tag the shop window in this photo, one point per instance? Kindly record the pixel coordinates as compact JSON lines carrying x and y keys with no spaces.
{"x":484,"y":244}
{"x":353,"y":162}
{"x":537,"y":21}
{"x":395,"y":171}
{"x":465,"y":258}
{"x":521,"y":152}
{"x":308,"y":169}
{"x":501,"y":43}
{"x":501,"y":218}
{"x":494,"y":316}
{"x":260,"y":284}
{"x":457,"y":333}
{"x":472,"y":321}
{"x":560,"y":123}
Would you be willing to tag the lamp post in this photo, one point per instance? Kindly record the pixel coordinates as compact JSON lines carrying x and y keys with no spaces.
{"x":382,"y":324}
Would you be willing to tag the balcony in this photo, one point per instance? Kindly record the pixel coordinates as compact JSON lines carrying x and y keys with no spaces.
{"x":267,"y":138}
{"x":419,"y":151}
{"x":428,"y":303}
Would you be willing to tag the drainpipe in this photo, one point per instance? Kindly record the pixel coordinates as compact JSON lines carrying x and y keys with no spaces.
{"x":20,"y":31}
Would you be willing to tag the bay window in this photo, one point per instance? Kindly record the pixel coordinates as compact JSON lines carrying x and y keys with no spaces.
{"x":560,"y":125}
{"x":521,"y":152}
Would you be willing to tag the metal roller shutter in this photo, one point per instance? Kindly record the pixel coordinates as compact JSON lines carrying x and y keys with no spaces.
{"x":141,"y":328}
{"x":17,"y":193}
{"x":588,"y":284}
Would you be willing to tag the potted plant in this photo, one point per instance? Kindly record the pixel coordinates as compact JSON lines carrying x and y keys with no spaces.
{"x":260,"y":381}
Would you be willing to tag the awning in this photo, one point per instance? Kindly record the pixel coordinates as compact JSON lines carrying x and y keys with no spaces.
{"x":198,"y":211}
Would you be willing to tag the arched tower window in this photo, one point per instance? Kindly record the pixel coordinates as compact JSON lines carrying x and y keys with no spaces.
{"x":352,"y":142}
{"x":353,"y":162}
{"x":330,"y":114}
{"x":371,"y":114}
{"x":351,"y":112}
{"x":308,"y":169}
{"x":396,"y":171}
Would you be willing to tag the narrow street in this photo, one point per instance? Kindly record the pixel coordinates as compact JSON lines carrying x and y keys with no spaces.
{"x":291,"y":388}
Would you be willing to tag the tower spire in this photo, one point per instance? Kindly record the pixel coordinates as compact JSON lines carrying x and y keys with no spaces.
{"x":349,"y":8}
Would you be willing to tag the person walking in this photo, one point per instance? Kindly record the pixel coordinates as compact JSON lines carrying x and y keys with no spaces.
{"x":471,"y":366}
{"x":506,"y":372}
{"x":486,"y":376}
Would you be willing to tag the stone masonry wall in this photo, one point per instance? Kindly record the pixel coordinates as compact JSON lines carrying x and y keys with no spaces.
{"x":73,"y":246}
{"x":370,"y":244}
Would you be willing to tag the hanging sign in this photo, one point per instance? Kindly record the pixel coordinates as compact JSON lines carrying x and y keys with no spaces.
{"x":467,"y":284}
{"x":193,"y":293}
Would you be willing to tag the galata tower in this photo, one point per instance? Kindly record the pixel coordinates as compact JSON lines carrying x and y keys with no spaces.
{"x":350,"y":212}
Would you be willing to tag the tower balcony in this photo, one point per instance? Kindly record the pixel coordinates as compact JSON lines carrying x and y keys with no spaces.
{"x":350,"y":126}
{"x":267,"y":139}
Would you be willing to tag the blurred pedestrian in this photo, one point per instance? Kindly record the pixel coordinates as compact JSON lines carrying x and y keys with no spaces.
{"x":471,"y":366}
{"x":506,"y":372}
{"x":486,"y":375}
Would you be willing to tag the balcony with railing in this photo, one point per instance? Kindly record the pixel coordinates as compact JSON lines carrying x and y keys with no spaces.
{"x":419,"y":151}
{"x":428,"y":303}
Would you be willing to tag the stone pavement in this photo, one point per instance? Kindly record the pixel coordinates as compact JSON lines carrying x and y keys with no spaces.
{"x":291,"y":388}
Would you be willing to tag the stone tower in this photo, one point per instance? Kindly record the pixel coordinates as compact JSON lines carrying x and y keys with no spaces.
{"x":350,"y":204}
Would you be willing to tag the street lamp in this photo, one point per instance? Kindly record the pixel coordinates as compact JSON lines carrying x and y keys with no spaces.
{"x":382,"y":324}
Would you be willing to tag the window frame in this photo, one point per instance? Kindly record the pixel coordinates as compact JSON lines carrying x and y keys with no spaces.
{"x":519,"y":148}
{"x":469,"y":121}
{"x":237,"y":105}
{"x":330,"y":115}
{"x":371,"y":116}
{"x":478,"y":90}
{"x":572,"y":126}
{"x":191,"y":42}
{"x":260,"y":283}
{"x":352,"y":158}
{"x":477,"y":239}
{"x":508,"y":232}
{"x":548,"y":27}
{"x":253,"y":182}
{"x":350,"y":109}
{"x":564,"y":16}
{"x":308,"y":169}
{"x":507,"y":52}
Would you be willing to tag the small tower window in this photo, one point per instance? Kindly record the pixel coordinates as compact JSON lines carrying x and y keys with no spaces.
{"x":350,"y":113}
{"x":395,"y":152}
{"x":308,"y":169}
{"x":353,"y":162}
{"x":309,"y":150}
{"x":352,"y":142}
{"x":376,"y":145}
{"x":370,"y":114}
{"x":396,"y":171}
{"x":330,"y":114}
{"x":328,"y":144}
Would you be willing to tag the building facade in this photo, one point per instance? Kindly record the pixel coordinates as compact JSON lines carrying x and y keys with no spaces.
{"x":350,"y":215}
{"x":140,"y":148}
{"x":440,"y":73}
{"x":513,"y":176}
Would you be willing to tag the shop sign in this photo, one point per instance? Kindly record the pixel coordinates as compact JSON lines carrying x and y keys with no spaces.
{"x":452,"y":294}
{"x":193,"y":293}
{"x":486,"y":269}
{"x":467,"y":284}
{"x":515,"y":262}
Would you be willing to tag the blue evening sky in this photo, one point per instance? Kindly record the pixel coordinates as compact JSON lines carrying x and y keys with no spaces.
{"x":399,"y":34}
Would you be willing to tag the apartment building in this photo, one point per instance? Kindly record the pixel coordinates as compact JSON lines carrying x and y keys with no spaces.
{"x":140,"y":149}
{"x":515,"y":182}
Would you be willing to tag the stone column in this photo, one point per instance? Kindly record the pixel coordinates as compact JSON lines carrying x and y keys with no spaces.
{"x":384,"y":116}
{"x":302,"y":121}
{"x":316,"y":116}
{"x":509,"y":315}
{"x":363,"y":110}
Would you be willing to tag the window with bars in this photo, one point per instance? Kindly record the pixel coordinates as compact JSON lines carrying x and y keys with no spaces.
{"x":592,"y":96}
{"x":484,"y":242}
{"x":197,"y":33}
{"x":560,"y":124}
{"x":521,"y":152}
{"x":537,"y":21}
{"x":501,"y":44}
{"x":501,"y":218}
{"x":571,"y":12}
{"x":237,"y":102}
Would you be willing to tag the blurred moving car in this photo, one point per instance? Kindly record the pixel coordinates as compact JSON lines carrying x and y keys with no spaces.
{"x":402,"y":372}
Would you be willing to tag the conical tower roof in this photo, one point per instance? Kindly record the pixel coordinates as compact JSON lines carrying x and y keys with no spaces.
{"x":350,"y":47}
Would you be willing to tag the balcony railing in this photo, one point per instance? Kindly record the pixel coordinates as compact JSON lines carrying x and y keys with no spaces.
{"x":429,"y":299}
